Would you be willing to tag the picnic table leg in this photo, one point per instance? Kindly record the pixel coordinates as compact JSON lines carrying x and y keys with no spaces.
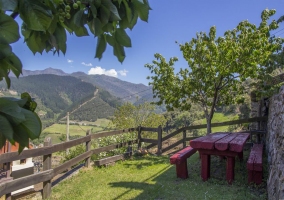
{"x":241,"y":156}
{"x":230,"y":172}
{"x":205,"y":167}
{"x":181,"y":170}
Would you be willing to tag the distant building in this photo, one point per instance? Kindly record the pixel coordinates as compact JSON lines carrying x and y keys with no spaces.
{"x":19,"y":168}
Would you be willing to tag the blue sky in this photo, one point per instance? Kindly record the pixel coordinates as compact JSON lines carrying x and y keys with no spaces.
{"x":169,"y":21}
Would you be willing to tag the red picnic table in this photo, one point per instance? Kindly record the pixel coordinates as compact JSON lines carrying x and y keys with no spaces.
{"x":220,"y":144}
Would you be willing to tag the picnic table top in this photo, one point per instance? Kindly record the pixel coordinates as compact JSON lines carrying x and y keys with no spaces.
{"x":224,"y":141}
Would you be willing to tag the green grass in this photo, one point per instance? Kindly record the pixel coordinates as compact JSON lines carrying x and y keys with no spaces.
{"x":153,"y":177}
{"x":218,"y":117}
{"x":73,"y":129}
{"x":102,"y":122}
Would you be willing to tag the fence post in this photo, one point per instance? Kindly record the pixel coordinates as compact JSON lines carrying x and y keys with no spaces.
{"x":8,"y":171}
{"x":159,"y":140}
{"x":88,"y":148}
{"x":46,"y":192}
{"x":139,"y":137}
{"x":184,"y":138}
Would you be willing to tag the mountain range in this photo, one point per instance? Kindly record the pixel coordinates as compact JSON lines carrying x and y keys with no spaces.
{"x":85,"y":97}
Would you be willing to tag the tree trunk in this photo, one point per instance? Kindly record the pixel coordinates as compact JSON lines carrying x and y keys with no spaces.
{"x":208,"y":120}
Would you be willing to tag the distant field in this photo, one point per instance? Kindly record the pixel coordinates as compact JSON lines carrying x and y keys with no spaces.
{"x":218,"y":117}
{"x":56,"y":130}
{"x":73,"y":129}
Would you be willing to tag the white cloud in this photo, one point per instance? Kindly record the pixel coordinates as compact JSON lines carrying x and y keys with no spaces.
{"x":69,"y":61}
{"x":100,"y":71}
{"x":123,"y":72}
{"x":87,"y":64}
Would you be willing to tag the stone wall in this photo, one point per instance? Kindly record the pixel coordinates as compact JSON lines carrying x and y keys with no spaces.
{"x":275,"y":147}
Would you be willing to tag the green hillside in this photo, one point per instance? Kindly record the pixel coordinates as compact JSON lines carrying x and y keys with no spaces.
{"x":57,"y":95}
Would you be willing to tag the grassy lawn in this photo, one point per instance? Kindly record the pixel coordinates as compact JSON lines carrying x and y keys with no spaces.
{"x":218,"y":117}
{"x":152,"y":177}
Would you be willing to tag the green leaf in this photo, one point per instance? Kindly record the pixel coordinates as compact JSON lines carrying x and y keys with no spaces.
{"x":60,"y":35}
{"x":80,"y":18}
{"x":81,"y":31}
{"x":142,"y":9}
{"x":110,"y":40}
{"x":128,"y":10}
{"x":35,"y":14}
{"x":94,"y":10}
{"x":118,"y":51}
{"x":36,"y":41}
{"x":108,"y":27}
{"x":20,"y":102}
{"x":9,"y":29}
{"x":9,"y":5}
{"x":6,"y":128}
{"x":134,"y":17}
{"x":95,"y":27}
{"x":15,"y":64}
{"x":22,"y":137}
{"x":101,"y":46}
{"x":5,"y":49}
{"x":97,"y":3}
{"x":104,"y":14}
{"x":124,"y":23}
{"x":32,"y":124}
{"x":122,"y":37}
{"x":113,"y":10}
{"x":2,"y":140}
{"x":12,"y":109}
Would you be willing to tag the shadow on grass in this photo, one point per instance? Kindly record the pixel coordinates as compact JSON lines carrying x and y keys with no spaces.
{"x":164,"y":184}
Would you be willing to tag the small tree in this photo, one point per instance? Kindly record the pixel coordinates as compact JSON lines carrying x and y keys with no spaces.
{"x":131,"y":116}
{"x":217,"y":66}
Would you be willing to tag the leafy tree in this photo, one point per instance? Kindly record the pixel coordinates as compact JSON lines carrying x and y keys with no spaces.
{"x":130,"y":116}
{"x":217,"y":66}
{"x":44,"y":28}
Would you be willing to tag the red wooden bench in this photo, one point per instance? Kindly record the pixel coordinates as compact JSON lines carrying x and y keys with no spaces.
{"x":180,"y":160}
{"x":254,"y":164}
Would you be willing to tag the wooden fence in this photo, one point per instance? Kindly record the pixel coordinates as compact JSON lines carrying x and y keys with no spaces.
{"x":6,"y":187}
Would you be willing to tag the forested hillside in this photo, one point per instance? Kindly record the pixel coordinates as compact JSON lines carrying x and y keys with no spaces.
{"x":57,"y":95}
{"x":122,"y":89}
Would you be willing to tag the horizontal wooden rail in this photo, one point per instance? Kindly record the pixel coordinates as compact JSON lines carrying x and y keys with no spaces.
{"x":111,"y":147}
{"x":68,"y":164}
{"x":149,"y":129}
{"x":239,"y":121}
{"x":111,"y":133}
{"x":26,"y":181}
{"x":153,"y":141}
{"x":12,"y":156}
{"x":173,"y":145}
{"x":108,"y":160}
{"x":173,"y":134}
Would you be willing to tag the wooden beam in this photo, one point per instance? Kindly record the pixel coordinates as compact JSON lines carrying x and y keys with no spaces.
{"x":149,"y":129}
{"x":12,"y":156}
{"x":26,"y":181}
{"x":72,"y":162}
{"x":109,"y":160}
{"x":105,"y":134}
{"x":173,"y":133}
{"x":173,"y":145}
{"x":149,"y":140}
